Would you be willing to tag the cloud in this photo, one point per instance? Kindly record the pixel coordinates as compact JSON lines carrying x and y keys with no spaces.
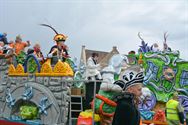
{"x":98,"y":24}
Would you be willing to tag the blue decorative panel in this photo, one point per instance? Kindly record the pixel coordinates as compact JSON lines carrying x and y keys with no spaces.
{"x":184,"y":78}
{"x":151,"y":73}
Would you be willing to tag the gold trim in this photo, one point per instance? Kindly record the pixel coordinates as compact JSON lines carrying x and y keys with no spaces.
{"x":11,"y":69}
{"x":19,"y":69}
{"x":60,"y":69}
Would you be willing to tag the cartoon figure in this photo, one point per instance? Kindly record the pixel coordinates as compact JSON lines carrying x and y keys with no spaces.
{"x":3,"y":38}
{"x":60,"y":50}
{"x":155,"y":47}
{"x":1,"y":47}
{"x":159,"y":116}
{"x":37,"y":52}
{"x":165,"y":45}
{"x":106,"y":99}
{"x":20,"y":45}
{"x":8,"y":48}
{"x":126,"y":112}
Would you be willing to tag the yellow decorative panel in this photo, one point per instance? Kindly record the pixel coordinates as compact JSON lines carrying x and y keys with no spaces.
{"x":46,"y":68}
{"x":11,"y":69}
{"x":19,"y":69}
{"x":69,"y":71}
{"x":60,"y":67}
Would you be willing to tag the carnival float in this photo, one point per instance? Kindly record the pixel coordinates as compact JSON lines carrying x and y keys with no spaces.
{"x":34,"y":89}
{"x":37,"y":90}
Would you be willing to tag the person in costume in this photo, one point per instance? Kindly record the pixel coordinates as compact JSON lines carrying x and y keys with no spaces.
{"x":174,"y":111}
{"x":20,"y":45}
{"x":60,"y":50}
{"x":92,"y":73}
{"x":92,"y":70}
{"x":126,"y":112}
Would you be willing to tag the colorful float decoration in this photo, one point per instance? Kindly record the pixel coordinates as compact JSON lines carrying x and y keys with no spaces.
{"x":165,"y":73}
{"x":85,"y":118}
{"x":31,"y":88}
{"x":35,"y":92}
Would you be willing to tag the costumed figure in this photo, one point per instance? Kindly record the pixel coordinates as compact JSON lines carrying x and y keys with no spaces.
{"x":92,"y":69}
{"x":3,"y":38}
{"x":8,"y":51}
{"x":165,"y":45}
{"x":126,"y":112}
{"x":145,"y":104}
{"x":108,"y":88}
{"x":107,"y":98}
{"x":60,"y":50}
{"x":132,"y":59}
{"x":159,"y":116}
{"x":37,"y":52}
{"x":9,"y":48}
{"x":155,"y":47}
{"x":92,"y":73}
{"x":19,"y":47}
{"x":119,"y":62}
{"x":104,"y":104}
{"x":1,"y":48}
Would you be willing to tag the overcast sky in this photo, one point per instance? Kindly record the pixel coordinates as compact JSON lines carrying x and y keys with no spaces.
{"x":98,"y":24}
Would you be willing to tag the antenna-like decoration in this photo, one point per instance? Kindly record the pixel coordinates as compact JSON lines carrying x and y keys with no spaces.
{"x":49,"y":27}
{"x":165,"y":36}
{"x":140,"y":36}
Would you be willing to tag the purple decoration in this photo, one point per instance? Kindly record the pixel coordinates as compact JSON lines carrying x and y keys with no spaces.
{"x":184,"y":102}
{"x":148,"y":103}
{"x":144,"y":47}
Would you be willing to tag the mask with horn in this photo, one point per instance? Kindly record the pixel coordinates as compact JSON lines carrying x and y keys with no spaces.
{"x":58,"y":37}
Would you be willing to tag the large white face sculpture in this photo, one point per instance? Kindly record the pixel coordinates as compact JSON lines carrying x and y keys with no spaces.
{"x":118,"y":62}
{"x":108,"y":80}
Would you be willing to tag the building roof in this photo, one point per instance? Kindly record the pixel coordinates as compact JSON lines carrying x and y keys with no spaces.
{"x":104,"y":57}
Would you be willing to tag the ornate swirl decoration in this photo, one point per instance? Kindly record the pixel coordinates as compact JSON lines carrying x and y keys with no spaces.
{"x":165,"y":58}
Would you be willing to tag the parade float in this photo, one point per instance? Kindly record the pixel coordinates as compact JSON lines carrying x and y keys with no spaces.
{"x":165,"y":73}
{"x":35,"y":92}
{"x":38,"y":92}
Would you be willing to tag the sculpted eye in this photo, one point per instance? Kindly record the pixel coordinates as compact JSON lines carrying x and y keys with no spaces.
{"x":120,"y":83}
{"x":131,"y":75}
{"x":139,"y":75}
{"x":125,"y":78}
